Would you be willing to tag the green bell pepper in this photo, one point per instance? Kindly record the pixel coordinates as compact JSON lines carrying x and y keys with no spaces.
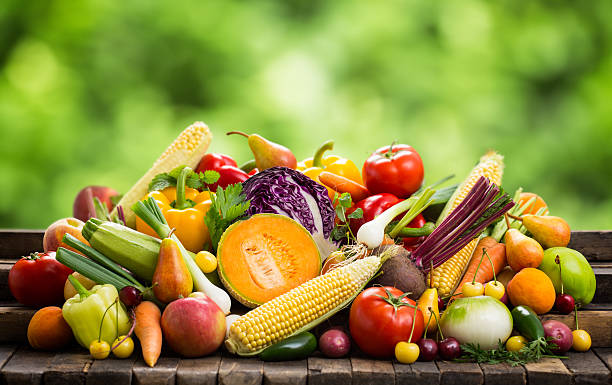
{"x":84,"y":313}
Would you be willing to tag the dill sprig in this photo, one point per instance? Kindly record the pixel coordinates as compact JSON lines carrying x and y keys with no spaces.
{"x":533,"y":351}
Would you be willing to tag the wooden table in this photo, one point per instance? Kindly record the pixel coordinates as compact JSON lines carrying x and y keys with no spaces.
{"x":19,"y":364}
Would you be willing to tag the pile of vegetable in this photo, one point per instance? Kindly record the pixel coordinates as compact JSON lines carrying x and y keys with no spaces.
{"x":285,"y":245}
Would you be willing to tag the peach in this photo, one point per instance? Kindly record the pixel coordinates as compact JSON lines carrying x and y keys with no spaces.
{"x":83,"y":207}
{"x":193,"y":327}
{"x":54,"y":233}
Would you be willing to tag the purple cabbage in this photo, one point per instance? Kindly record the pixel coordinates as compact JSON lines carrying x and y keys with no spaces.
{"x":281,"y":190}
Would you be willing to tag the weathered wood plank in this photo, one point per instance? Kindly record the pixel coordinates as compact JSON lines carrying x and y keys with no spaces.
{"x":403,"y":373}
{"x":162,"y":374}
{"x":14,"y":322}
{"x":68,"y":367}
{"x":6,"y":352}
{"x":111,"y":371}
{"x":286,"y":372}
{"x":548,"y":371}
{"x":328,"y":371}
{"x":202,"y":371}
{"x":5,"y":292}
{"x":459,"y":373}
{"x":369,"y":371}
{"x":240,"y":371}
{"x":605,"y":355}
{"x":16,"y":243}
{"x":26,"y":366}
{"x":426,"y":372}
{"x":587,"y":368}
{"x":503,"y":374}
{"x":596,"y":322}
{"x":594,"y":245}
{"x":603,"y":276}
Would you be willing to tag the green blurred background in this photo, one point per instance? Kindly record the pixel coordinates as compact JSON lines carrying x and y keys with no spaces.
{"x":91,"y":92}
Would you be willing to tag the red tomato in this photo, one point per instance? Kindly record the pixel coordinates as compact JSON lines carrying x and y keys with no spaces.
{"x":379,"y":319}
{"x":213,"y":161}
{"x":38,"y":280}
{"x":396,"y":169}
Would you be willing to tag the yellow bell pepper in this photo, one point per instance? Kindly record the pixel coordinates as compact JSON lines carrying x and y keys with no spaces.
{"x":184,"y":209}
{"x":312,"y":167}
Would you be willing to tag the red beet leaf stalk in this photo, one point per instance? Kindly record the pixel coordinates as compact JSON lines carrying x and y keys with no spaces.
{"x":483,"y":205}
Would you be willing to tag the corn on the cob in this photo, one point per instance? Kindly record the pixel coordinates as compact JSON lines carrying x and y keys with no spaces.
{"x":301,"y":308}
{"x":446,"y":276}
{"x":187,"y":149}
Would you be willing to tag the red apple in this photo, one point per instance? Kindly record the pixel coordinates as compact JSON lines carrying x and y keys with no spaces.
{"x":193,"y":327}
{"x":54,"y":233}
{"x":83,"y":207}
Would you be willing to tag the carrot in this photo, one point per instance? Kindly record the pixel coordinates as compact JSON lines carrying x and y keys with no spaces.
{"x":497,"y":253}
{"x":341,"y":184}
{"x":148,"y":331}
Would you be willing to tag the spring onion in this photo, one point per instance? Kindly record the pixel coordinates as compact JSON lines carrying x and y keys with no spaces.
{"x":150,"y":213}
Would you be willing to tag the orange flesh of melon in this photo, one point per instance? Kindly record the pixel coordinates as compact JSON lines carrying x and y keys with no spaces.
{"x":265,"y":256}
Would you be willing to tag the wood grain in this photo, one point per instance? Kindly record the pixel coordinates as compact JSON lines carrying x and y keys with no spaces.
{"x":202,"y":371}
{"x":605,"y":355}
{"x":26,"y":366}
{"x":68,"y":367}
{"x":587,"y":368}
{"x":426,"y":372}
{"x":162,"y":374}
{"x":240,"y":371}
{"x":603,"y":277}
{"x":286,"y":372}
{"x":452,"y":373}
{"x":594,"y":245}
{"x":16,"y":243}
{"x":369,"y":371}
{"x":503,"y":374}
{"x":328,"y":371}
{"x":14,"y":322}
{"x":548,"y":371}
{"x":111,"y":371}
{"x":596,"y":322}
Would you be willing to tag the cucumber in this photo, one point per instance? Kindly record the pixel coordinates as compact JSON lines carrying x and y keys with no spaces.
{"x":131,"y":249}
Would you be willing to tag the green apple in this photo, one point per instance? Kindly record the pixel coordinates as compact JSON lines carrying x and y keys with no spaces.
{"x":578,"y":276}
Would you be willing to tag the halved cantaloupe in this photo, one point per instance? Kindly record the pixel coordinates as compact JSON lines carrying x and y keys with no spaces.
{"x":265,"y":256}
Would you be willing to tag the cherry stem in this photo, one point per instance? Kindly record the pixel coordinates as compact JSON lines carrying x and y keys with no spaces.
{"x":558,"y":262}
{"x":428,"y":320}
{"x":413,"y":323}
{"x":478,"y":267}
{"x":128,"y":335}
{"x":102,"y":320}
{"x":576,"y":316}
{"x":507,"y":221}
{"x":491,"y":262}
{"x":439,"y":328}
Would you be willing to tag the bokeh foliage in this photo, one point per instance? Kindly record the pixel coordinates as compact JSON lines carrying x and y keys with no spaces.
{"x":91,"y":92}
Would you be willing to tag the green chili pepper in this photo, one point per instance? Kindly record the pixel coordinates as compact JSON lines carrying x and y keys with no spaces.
{"x":296,"y":347}
{"x":527,"y":323}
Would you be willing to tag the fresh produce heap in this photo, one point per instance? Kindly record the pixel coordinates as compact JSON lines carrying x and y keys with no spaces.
{"x":457,"y":272}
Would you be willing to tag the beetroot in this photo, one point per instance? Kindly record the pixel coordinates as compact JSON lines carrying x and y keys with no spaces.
{"x":334,"y":343}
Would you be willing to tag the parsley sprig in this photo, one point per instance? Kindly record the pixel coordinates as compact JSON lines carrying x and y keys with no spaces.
{"x":194,"y":180}
{"x":533,"y":351}
{"x":342,"y":230}
{"x":228,"y":205}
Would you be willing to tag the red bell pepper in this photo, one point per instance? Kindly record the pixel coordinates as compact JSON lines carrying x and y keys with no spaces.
{"x":228,"y":170}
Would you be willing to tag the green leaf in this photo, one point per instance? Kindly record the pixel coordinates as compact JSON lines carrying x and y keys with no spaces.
{"x":340,"y":213}
{"x":345,"y":200}
{"x":161,"y":181}
{"x":228,"y":205}
{"x":176,"y":171}
{"x":209,"y":177}
{"x":339,"y":232}
{"x":358,"y":213}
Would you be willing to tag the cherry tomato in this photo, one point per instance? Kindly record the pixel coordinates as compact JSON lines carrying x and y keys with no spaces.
{"x":396,"y":169}
{"x":406,"y":352}
{"x":516,"y":343}
{"x":125,"y":349}
{"x":581,"y":340}
{"x":494,"y":289}
{"x":38,"y":280}
{"x":99,"y":349}
{"x":206,"y":261}
{"x":379,"y":319}
{"x":470,"y":289}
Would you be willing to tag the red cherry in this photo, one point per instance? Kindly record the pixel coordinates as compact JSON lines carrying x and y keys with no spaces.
{"x":564,"y":303}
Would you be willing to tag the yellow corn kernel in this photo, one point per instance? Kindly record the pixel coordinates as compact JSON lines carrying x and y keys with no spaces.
{"x":446,"y":276}
{"x":347,"y":279}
